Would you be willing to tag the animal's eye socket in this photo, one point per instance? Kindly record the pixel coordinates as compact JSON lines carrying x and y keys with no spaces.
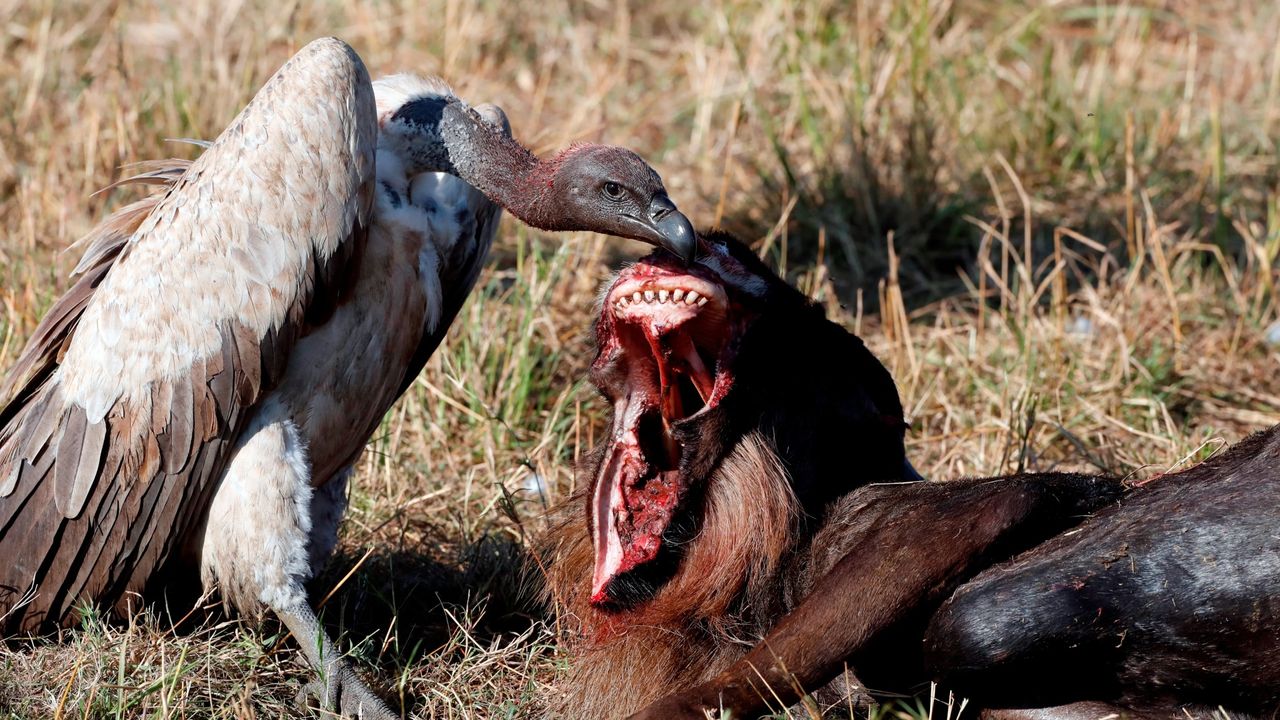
{"x":612,"y":190}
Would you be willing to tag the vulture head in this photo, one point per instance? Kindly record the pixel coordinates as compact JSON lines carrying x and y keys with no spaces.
{"x":609,"y":189}
{"x":585,"y":187}
{"x":713,"y":370}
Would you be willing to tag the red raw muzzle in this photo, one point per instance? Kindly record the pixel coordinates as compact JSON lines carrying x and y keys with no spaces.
{"x":664,"y":342}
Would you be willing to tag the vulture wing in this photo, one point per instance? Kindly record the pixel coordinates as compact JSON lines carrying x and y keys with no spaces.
{"x":121,"y":411}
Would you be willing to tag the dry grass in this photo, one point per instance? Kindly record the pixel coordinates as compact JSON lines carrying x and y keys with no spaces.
{"x":1058,"y":226}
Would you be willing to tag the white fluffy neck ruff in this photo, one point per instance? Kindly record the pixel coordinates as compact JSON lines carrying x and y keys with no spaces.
{"x":391,"y":92}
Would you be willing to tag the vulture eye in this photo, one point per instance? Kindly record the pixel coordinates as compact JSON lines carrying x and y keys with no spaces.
{"x":612,"y":190}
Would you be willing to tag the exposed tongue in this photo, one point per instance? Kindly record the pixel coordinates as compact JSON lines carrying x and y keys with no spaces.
{"x":636,"y":495}
{"x":629,"y":520}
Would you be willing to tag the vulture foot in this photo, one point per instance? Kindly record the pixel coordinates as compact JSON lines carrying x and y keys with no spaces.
{"x":338,"y":689}
{"x":341,"y":691}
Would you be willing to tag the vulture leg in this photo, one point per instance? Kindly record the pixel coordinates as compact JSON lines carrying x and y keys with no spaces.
{"x":268,"y":531}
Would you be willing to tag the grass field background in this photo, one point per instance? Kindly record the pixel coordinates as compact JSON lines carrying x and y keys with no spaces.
{"x":1057,"y":223}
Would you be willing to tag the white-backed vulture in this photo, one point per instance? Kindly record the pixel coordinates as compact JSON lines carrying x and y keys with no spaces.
{"x":198,"y":397}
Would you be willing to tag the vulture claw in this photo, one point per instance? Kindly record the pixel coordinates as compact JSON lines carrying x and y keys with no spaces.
{"x":338,"y":689}
{"x":342,"y":692}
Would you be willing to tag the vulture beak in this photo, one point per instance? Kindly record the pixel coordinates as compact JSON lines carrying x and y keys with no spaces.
{"x":674,"y":231}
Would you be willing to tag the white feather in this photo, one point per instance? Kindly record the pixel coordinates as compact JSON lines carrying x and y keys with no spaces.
{"x":390,"y":170}
{"x":256,"y":541}
{"x":429,"y":275}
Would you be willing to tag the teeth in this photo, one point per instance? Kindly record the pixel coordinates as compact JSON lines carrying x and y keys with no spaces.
{"x":688,"y":297}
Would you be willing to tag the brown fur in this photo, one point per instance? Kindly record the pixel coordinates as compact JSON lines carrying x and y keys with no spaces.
{"x":700,"y":622}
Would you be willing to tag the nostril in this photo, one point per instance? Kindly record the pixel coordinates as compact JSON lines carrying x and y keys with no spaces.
{"x":660,"y":207}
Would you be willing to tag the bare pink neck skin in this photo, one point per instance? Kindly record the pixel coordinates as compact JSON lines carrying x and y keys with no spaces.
{"x":529,"y":195}
{"x":506,"y":171}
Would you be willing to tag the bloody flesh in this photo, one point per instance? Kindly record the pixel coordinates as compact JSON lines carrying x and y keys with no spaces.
{"x":664,"y":332}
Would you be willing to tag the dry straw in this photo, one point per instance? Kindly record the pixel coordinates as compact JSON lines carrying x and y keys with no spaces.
{"x":1056,"y":223}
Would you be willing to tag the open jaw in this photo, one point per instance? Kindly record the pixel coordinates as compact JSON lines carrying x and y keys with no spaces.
{"x":664,"y":337}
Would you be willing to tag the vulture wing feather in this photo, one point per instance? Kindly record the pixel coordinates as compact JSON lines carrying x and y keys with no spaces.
{"x":118,"y":415}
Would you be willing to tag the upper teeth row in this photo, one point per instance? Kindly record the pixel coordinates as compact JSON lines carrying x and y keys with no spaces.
{"x":689,"y":297}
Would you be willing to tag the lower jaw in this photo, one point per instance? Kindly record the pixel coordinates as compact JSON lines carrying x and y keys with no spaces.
{"x":650,"y":542}
{"x":632,"y":503}
{"x":628,"y":592}
{"x":676,"y":387}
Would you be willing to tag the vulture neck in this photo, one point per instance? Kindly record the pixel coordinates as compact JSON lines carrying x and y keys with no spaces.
{"x":503,"y":169}
{"x":511,"y":176}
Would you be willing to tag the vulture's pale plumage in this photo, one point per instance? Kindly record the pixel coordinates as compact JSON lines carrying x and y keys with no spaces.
{"x":199,"y":395}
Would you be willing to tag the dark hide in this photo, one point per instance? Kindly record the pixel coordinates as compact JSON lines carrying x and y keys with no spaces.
{"x":1165,"y":604}
{"x":885,"y":558}
{"x":1171,"y":599}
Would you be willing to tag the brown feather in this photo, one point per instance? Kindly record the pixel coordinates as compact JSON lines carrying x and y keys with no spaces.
{"x":222,"y":383}
{"x":22,"y":441}
{"x":161,"y":401}
{"x":149,"y":463}
{"x":28,"y":474}
{"x":10,"y":469}
{"x":68,"y":460}
{"x":249,"y":364}
{"x":41,"y":429}
{"x":97,"y":558}
{"x":91,"y":453}
{"x":175,"y":442}
{"x":206,"y":415}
